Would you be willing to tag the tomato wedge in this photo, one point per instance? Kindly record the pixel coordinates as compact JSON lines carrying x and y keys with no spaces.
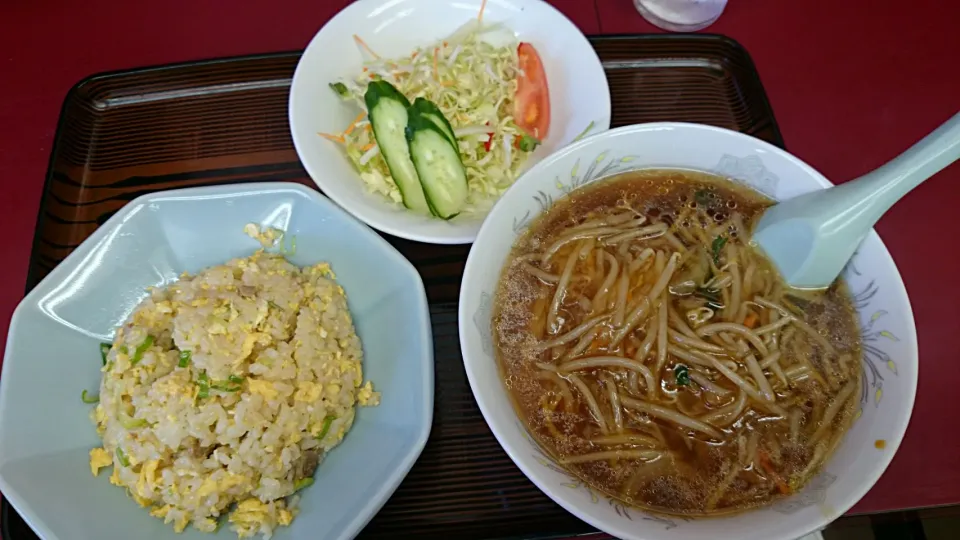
{"x":532,"y":101}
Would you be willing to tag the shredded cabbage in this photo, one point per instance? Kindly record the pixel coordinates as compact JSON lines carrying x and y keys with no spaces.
{"x":473,"y":82}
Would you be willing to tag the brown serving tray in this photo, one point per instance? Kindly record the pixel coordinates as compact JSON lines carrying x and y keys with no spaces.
{"x":125,"y":134}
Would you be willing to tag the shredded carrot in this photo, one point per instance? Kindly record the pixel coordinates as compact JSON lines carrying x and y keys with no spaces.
{"x":365,"y":70}
{"x":446,"y":84}
{"x":363,"y":44}
{"x":751,"y":320}
{"x":334,"y":138}
{"x":445,"y":44}
{"x":414,"y":55}
{"x":367,"y":147}
{"x":483,"y":5}
{"x":367,"y":127}
{"x":354,"y":123}
{"x":373,"y":76}
{"x":767,"y":466}
{"x":436,"y":71}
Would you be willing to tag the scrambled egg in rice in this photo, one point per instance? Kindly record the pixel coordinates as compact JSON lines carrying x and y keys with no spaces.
{"x":224,"y":391}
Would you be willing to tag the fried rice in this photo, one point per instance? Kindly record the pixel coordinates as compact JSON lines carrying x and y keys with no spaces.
{"x":223,"y":392}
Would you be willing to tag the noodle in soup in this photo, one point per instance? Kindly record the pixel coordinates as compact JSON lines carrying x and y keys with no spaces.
{"x":661,"y":358}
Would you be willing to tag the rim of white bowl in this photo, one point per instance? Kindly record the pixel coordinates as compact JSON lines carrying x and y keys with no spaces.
{"x":359,"y":211}
{"x":474,"y":262}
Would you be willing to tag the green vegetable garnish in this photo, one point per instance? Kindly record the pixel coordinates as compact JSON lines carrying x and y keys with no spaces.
{"x":123,"y":349}
{"x":702,"y":197}
{"x":528,"y":143}
{"x":122,"y":457}
{"x":302,"y":483}
{"x":682,"y":374}
{"x":584,"y":132}
{"x":184,"y":358}
{"x":132,"y":423}
{"x":284,"y":250}
{"x":204,"y":383}
{"x":232,"y":384}
{"x":341,"y":89}
{"x":326,"y":426}
{"x":86,"y":398}
{"x":712,"y":296}
{"x":104,"y":350}
{"x":796,"y":304}
{"x":717,"y":247}
{"x":141,"y":348}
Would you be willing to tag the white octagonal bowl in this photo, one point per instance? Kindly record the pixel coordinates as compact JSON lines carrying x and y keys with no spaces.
{"x":889,"y":336}
{"x":579,"y":94}
{"x":52,"y":355}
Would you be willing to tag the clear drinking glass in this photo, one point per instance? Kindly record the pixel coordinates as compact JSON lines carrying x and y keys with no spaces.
{"x":681,"y":15}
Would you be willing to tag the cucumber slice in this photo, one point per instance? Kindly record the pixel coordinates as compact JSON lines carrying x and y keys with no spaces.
{"x":438,"y":165}
{"x":430,"y":110}
{"x":387,"y":108}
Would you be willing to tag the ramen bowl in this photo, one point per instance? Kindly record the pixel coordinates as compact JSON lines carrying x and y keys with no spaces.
{"x":889,"y":362}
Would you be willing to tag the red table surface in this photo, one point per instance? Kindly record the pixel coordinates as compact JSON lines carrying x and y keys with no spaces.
{"x":852,"y":83}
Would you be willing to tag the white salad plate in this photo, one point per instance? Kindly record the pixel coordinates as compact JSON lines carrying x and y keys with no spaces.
{"x":579,"y":94}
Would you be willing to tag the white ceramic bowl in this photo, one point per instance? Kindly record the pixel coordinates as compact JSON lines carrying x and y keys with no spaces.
{"x":889,"y":337}
{"x":579,"y":93}
{"x":53,"y":354}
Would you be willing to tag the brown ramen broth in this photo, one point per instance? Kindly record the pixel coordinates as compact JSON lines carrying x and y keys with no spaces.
{"x":660,"y":358}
